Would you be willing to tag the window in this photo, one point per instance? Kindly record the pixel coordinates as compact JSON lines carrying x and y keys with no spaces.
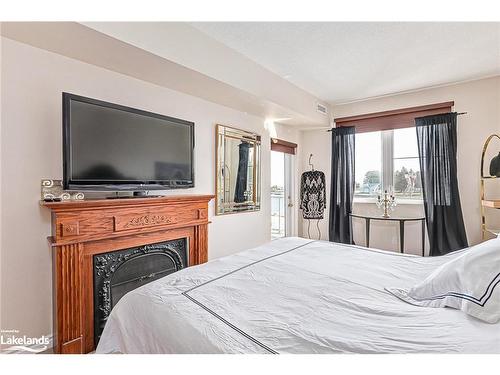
{"x":282,"y":188}
{"x":277,"y":194}
{"x":368,"y":164}
{"x":386,"y":151}
{"x":387,"y":160}
{"x":406,"y":178}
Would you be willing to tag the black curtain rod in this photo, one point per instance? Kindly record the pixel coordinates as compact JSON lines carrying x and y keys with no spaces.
{"x":458,"y":114}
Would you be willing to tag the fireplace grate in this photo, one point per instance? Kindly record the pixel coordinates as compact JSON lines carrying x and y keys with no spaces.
{"x":117,"y":273}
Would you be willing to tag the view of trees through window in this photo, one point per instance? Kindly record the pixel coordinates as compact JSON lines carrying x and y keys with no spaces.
{"x":406,"y":166}
{"x":399,"y":149}
{"x":368,"y":164}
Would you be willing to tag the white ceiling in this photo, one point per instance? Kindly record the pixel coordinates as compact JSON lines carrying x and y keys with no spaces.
{"x":341,"y":62}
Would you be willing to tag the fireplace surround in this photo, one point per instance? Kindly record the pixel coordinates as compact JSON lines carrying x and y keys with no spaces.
{"x":82,"y":231}
{"x":119,"y":272}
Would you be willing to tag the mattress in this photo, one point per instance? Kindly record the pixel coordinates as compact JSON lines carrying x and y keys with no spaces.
{"x":293,"y":295}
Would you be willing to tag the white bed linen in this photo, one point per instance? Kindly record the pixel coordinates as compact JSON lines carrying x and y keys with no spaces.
{"x":293,"y":296}
{"x":469,"y":282}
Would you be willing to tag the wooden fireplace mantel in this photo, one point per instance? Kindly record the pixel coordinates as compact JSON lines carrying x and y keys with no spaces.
{"x":82,"y":229}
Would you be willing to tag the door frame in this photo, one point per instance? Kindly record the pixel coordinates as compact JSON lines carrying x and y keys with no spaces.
{"x":290,"y":196}
{"x":289,"y":150}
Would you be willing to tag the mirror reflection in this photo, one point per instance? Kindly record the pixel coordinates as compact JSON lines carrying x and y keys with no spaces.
{"x":238,"y":170}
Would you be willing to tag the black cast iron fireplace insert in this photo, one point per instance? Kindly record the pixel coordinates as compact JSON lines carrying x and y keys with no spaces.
{"x":118,"y":272}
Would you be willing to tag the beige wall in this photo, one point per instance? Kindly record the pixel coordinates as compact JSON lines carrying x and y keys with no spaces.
{"x":480,"y":99}
{"x":33,"y":80}
{"x":1,"y":183}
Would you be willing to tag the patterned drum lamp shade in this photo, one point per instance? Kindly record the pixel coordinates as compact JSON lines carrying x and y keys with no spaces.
{"x":312,"y":194}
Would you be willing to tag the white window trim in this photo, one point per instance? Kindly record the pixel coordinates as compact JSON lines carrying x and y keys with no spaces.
{"x":290,"y":211}
{"x":387,"y":139}
{"x":400,"y":201}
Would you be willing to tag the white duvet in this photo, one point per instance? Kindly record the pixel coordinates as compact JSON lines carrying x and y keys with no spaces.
{"x":293,"y":296}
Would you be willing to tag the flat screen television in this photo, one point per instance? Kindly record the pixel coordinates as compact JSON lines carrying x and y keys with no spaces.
{"x":112,"y":147}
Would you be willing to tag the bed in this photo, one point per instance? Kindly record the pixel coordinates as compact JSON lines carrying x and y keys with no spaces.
{"x":293,"y":296}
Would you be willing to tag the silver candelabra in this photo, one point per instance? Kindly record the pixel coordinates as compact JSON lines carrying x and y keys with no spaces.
{"x":387,"y":202}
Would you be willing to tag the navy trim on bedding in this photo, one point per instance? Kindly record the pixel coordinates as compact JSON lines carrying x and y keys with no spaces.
{"x":477,"y":301}
{"x":392,"y":253}
{"x":240,"y":331}
{"x":248,"y":265}
{"x":230,"y":325}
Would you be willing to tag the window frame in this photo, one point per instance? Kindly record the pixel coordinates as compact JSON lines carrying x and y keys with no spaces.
{"x":392,"y":119}
{"x":387,"y":170}
{"x":386,"y":122}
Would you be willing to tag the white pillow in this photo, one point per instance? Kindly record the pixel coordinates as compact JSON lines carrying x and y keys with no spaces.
{"x":469,"y":282}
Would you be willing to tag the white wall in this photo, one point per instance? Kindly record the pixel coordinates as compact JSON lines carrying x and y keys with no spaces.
{"x":32,"y":82}
{"x":480,"y":99}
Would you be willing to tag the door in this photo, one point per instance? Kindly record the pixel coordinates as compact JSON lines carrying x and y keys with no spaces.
{"x":282,"y":194}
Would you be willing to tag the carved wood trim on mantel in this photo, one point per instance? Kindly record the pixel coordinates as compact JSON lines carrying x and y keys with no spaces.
{"x":81,"y":229}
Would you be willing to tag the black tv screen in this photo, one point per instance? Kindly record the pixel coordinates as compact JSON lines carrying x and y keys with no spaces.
{"x":112,"y":147}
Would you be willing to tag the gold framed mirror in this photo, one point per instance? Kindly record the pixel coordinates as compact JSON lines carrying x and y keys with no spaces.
{"x":237,"y":169}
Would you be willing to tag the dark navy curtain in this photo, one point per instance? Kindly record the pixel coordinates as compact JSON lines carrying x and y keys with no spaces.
{"x":342,"y":184}
{"x":242,"y":176}
{"x":437,"y":148}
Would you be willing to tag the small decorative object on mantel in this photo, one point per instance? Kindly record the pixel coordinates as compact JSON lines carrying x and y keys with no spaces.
{"x":495,"y":166}
{"x":388,"y":202}
{"x":52,"y":190}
